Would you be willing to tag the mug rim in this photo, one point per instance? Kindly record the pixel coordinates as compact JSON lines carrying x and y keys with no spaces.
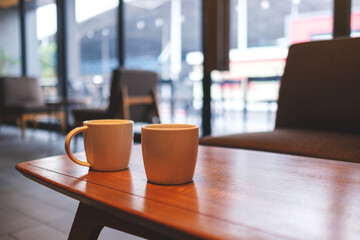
{"x":107,"y":122}
{"x":169,"y":127}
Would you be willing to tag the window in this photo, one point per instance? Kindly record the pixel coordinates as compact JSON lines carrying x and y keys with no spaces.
{"x":41,"y":28}
{"x":165,"y":36}
{"x":260,"y":34}
{"x":92,"y":48}
{"x":355,"y":18}
{"x":10,"y":57}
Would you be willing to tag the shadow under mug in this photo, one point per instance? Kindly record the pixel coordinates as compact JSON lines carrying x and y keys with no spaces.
{"x":107,"y":142}
{"x":170,"y":152}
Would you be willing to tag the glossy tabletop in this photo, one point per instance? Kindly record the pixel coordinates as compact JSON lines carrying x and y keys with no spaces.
{"x":236,"y":194}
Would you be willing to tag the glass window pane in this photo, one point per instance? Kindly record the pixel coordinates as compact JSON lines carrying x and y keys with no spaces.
{"x":92,"y":48}
{"x":261,"y":32}
{"x":41,"y":47}
{"x":10,"y":54}
{"x":355,"y":18}
{"x":165,"y":36}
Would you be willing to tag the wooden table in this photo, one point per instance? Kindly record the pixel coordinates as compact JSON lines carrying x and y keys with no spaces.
{"x":236,"y":194}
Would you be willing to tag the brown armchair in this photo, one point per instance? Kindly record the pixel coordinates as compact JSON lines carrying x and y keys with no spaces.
{"x":318,"y":107}
{"x":132,"y":96}
{"x":21,"y":100}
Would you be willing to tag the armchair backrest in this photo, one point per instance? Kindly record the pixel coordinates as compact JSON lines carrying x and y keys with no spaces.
{"x":140,"y":83}
{"x":16,"y":91}
{"x":137,"y":83}
{"x":320,"y":87}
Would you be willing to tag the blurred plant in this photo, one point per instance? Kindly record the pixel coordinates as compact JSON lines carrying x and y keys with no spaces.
{"x":48,"y":60}
{"x":6,"y":61}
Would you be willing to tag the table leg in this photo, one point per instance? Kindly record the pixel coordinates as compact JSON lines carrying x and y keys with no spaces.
{"x":85,"y":225}
{"x":89,"y":221}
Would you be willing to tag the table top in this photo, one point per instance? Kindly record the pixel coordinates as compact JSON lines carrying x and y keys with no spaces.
{"x":236,"y":194}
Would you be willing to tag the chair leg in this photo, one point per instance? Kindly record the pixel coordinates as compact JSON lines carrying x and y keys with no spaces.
{"x":35,"y":122}
{"x":155,"y":104}
{"x":21,"y":122}
{"x":125,"y":104}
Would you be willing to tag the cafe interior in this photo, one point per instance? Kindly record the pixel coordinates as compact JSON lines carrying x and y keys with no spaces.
{"x":259,"y":78}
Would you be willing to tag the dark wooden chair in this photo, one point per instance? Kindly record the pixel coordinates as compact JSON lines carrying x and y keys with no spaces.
{"x":318,"y":107}
{"x":132,"y":96}
{"x":21,"y":100}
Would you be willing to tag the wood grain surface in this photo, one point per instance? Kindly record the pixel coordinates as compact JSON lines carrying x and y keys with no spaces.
{"x":236,"y":194}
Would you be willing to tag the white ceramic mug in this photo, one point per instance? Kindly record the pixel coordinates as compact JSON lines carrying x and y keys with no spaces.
{"x":107,"y":142}
{"x":170,"y":152}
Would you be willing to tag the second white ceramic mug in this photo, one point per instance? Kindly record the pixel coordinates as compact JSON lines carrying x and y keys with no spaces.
{"x":107,"y":142}
{"x":169,"y":152}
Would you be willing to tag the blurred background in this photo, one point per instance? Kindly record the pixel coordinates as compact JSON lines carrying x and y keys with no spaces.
{"x":166,"y":36}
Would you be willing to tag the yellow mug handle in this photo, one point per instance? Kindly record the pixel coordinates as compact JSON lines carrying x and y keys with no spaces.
{"x":67,"y":146}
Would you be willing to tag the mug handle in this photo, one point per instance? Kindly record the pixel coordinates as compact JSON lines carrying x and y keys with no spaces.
{"x":67,"y":146}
